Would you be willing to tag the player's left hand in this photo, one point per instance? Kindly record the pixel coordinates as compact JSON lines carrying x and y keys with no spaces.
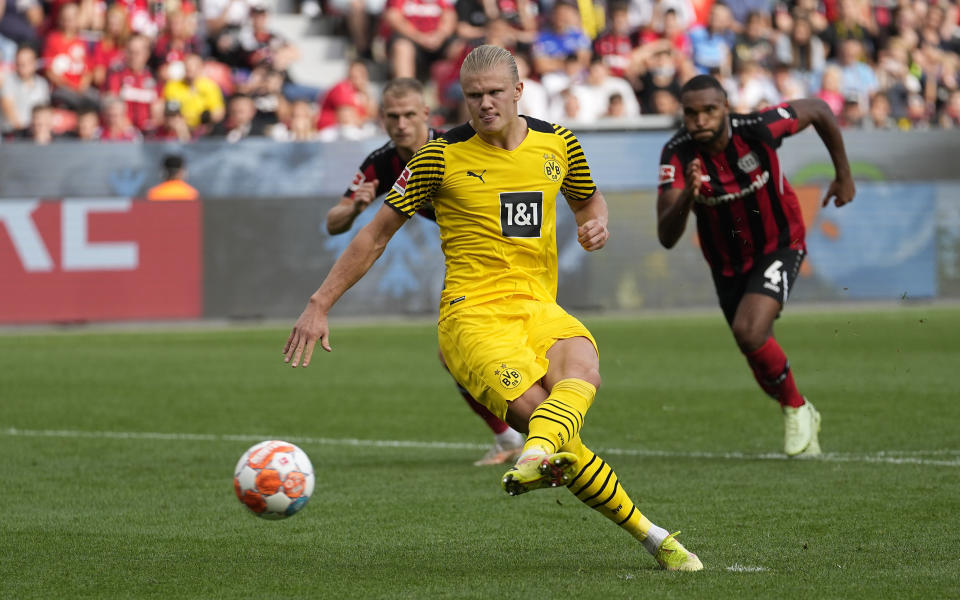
{"x":841,"y":191}
{"x":593,"y":235}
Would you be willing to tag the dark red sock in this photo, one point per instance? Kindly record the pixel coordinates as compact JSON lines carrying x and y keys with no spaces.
{"x":772,"y":371}
{"x":492,"y":421}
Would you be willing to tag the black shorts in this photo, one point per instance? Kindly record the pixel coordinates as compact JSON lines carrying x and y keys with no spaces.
{"x":772,"y":275}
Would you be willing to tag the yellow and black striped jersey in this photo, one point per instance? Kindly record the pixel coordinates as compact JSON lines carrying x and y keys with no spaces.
{"x":496,"y":208}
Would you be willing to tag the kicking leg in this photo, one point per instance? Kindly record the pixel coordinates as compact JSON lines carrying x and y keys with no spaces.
{"x":597,"y":485}
{"x":555,"y":418}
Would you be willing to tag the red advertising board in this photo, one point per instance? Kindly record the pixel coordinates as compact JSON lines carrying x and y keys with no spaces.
{"x":99,"y":259}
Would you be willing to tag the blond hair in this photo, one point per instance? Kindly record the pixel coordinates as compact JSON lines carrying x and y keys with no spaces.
{"x":488,"y":58}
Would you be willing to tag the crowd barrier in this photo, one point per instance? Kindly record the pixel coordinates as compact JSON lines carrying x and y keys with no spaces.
{"x":76,"y":243}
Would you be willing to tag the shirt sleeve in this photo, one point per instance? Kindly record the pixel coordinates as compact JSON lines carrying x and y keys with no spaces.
{"x":364,"y":173}
{"x":670,"y":175}
{"x":419,"y":181}
{"x":780,"y":121}
{"x":578,"y":183}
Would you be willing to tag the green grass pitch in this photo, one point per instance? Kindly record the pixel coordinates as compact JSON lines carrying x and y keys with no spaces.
{"x":118,"y":449}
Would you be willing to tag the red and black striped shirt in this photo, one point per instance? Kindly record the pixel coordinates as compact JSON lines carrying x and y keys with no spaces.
{"x":746,"y":207}
{"x":384,"y":164}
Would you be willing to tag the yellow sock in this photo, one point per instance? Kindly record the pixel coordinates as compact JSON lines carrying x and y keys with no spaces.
{"x":559,"y":418}
{"x":597,"y":486}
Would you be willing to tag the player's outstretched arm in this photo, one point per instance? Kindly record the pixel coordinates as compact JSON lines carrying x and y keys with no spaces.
{"x":592,"y":217}
{"x":673,"y":205}
{"x":340,"y":218}
{"x":816,"y":112}
{"x":353,"y":264}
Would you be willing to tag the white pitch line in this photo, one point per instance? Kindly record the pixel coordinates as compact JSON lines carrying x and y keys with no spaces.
{"x":738,"y":568}
{"x":890,"y":457}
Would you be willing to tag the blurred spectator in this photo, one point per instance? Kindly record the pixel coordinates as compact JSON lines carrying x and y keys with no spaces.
{"x":174,"y":186}
{"x":177,"y":40}
{"x":134,"y":83}
{"x":555,"y":82}
{"x":857,"y":78}
{"x":814,"y":12}
{"x":650,"y":13}
{"x":851,"y":115}
{"x":359,"y":16}
{"x":116,"y":122}
{"x":742,"y":10}
{"x":853,"y":22}
{"x":222,"y":21}
{"x":265,"y":88}
{"x":712,"y":45}
{"x":108,"y":52}
{"x":67,"y":63}
{"x":143,"y":16}
{"x":615,"y":45}
{"x":562,"y":42}
{"x":264,"y":47}
{"x":355,"y":91}
{"x":950,"y":117}
{"x":659,"y":72}
{"x":349,"y":126}
{"x":665,"y":103}
{"x":830,"y":89}
{"x":755,"y":43}
{"x":20,"y":91}
{"x":239,"y":123}
{"x":802,"y":50}
{"x":88,"y":125}
{"x":518,"y":16}
{"x":565,"y":107}
{"x":198,"y":96}
{"x":300,"y":127}
{"x":420,"y":30}
{"x":879,"y":116}
{"x":40,"y":131}
{"x":789,"y":85}
{"x":616,"y":109}
{"x":918,"y":114}
{"x":754,"y":89}
{"x":595,"y":92}
{"x":173,"y":126}
{"x":897,"y":76}
{"x":533,"y":102}
{"x":19,"y":20}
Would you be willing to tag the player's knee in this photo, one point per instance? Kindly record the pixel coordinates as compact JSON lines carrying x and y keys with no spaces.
{"x":592,"y":376}
{"x":748,"y":335}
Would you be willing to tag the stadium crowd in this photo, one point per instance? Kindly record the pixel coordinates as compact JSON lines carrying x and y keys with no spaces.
{"x":131,"y":70}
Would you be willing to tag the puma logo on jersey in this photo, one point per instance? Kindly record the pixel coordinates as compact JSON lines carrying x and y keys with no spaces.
{"x":480,"y":176}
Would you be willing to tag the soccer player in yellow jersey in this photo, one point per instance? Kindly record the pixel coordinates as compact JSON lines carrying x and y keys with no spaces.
{"x":493,"y":183}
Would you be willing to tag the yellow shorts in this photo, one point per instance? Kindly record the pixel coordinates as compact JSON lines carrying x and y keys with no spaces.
{"x":497,"y":350}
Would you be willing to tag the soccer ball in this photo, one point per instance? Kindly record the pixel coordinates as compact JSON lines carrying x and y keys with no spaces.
{"x":274,"y":479}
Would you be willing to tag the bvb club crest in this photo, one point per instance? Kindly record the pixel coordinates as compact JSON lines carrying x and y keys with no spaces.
{"x":551,"y":168}
{"x":509,"y":377}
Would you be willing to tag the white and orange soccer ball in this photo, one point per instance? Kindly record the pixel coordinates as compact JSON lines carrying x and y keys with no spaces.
{"x":274,"y":479}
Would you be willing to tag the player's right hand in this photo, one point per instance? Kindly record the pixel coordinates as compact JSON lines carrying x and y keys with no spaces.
{"x":694,"y":177}
{"x":364,"y":195}
{"x":310,"y":327}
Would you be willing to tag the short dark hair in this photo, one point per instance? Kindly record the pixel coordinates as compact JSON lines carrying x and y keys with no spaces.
{"x":702,"y":82}
{"x":171,"y":164}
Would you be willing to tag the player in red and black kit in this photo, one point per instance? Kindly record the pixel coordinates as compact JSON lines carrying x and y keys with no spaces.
{"x":404,"y":114}
{"x":725,"y":168}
